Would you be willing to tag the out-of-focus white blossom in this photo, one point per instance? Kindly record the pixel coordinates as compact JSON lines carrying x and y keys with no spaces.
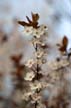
{"x":28,"y":31}
{"x":37,"y":42}
{"x":30,"y":63}
{"x":39,"y":54}
{"x":35,"y":32}
{"x":54,"y":65}
{"x":35,"y":86}
{"x":43,"y":44}
{"x":29,"y":76}
{"x":40,"y":31}
{"x":43,"y":28}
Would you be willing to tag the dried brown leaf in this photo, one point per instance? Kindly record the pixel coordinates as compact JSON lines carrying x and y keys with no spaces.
{"x":16,"y":59}
{"x":63,"y":47}
{"x":35,"y":17}
{"x":65,"y":41}
{"x":33,"y":22}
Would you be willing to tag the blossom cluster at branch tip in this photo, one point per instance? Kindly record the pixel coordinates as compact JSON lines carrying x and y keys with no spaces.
{"x":35,"y":32}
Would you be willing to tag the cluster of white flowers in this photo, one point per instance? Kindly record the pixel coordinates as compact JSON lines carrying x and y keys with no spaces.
{"x":35,"y":32}
{"x":54,"y":65}
{"x":39,"y":53}
{"x":40,"y":84}
{"x":34,"y":41}
{"x":32,"y":91}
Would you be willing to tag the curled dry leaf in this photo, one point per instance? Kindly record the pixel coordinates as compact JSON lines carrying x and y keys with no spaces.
{"x":33,"y":22}
{"x":63,"y":47}
{"x":16,"y":59}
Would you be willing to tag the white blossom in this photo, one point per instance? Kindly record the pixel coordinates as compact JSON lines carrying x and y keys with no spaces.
{"x":54,"y":65}
{"x":29,"y":76}
{"x":39,"y":31}
{"x":43,"y":28}
{"x":39,"y":54}
{"x":36,"y":85}
{"x":35,"y":32}
{"x":38,"y":42}
{"x":28,"y":31}
{"x":30,"y":63}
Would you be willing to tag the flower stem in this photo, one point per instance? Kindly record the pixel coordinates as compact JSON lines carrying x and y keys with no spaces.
{"x":37,"y":68}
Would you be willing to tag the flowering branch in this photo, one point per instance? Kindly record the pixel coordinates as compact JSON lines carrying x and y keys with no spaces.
{"x":37,"y":32}
{"x":37,"y":81}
